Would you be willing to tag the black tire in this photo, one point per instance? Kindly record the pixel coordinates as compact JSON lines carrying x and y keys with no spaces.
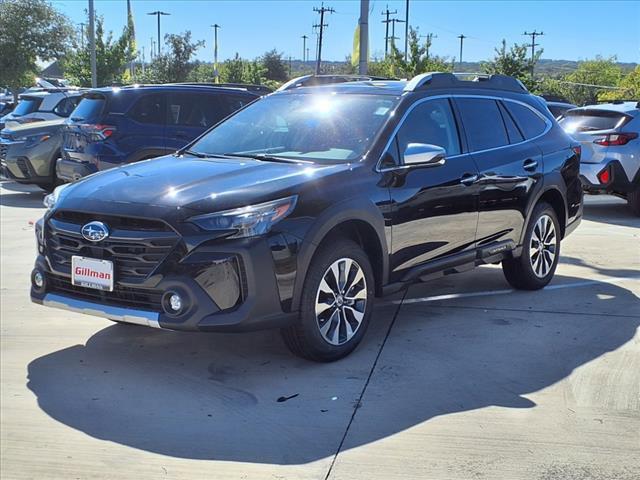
{"x":633,"y":199}
{"x":520,"y":272}
{"x":304,"y":338}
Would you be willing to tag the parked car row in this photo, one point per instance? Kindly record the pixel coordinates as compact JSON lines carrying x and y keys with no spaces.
{"x":299,"y":209}
{"x":108,"y":127}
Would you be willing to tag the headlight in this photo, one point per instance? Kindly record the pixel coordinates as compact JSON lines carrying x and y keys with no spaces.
{"x":32,"y":140}
{"x":247,"y":221}
{"x":53,"y":198}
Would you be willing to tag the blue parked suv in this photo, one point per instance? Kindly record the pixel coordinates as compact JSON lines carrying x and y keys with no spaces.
{"x":118,"y":125}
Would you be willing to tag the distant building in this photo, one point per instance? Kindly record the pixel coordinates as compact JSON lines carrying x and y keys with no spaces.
{"x":52,"y":71}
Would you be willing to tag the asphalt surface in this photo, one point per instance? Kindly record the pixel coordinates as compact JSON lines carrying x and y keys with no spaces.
{"x":459,"y":378}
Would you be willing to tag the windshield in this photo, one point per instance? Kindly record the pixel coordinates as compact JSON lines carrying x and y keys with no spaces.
{"x":88,"y":109}
{"x":588,"y":120}
{"x":26,"y":106}
{"x":324,"y":128}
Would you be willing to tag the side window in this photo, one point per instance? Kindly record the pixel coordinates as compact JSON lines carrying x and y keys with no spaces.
{"x":482,"y":123}
{"x":185,"y":109}
{"x":431,"y":122}
{"x":530,"y":124}
{"x":149,"y":109}
{"x":512,"y":129}
{"x":66,"y":106}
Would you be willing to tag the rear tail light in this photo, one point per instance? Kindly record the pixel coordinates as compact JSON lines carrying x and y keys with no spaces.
{"x":97,"y":132}
{"x":604,"y":176}
{"x":616,"y":139}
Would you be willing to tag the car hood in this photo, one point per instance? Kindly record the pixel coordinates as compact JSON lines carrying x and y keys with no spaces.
{"x":193,"y":184}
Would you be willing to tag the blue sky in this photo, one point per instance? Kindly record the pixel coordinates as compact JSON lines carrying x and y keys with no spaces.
{"x":573,"y":30}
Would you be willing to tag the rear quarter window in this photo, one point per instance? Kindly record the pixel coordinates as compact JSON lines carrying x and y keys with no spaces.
{"x":89,"y":109}
{"x":530,"y":124}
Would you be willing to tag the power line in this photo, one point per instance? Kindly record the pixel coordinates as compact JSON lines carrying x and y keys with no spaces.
{"x":322,"y":10}
{"x":533,"y":36}
{"x":461,"y":37}
{"x":387,"y":13}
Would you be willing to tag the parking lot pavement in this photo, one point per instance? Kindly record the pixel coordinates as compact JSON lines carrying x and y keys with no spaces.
{"x":461,"y":379}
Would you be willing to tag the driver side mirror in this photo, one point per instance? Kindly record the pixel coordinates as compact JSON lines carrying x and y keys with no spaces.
{"x":424,"y":154}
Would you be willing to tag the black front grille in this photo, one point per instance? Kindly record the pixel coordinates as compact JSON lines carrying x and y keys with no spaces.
{"x":134,"y":246}
{"x":144,"y":299}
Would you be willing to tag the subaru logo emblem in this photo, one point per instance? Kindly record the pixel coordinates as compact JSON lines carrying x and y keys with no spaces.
{"x":95,"y":231}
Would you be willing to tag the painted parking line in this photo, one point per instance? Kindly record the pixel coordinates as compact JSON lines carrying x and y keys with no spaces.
{"x":452,"y":296}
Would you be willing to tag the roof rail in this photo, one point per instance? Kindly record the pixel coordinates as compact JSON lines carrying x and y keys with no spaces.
{"x":315,"y":80}
{"x":457,"y":80}
{"x":241,"y":86}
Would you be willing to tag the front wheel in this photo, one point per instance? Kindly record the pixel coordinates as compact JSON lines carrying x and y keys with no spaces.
{"x":336,"y":304}
{"x":541,"y":250}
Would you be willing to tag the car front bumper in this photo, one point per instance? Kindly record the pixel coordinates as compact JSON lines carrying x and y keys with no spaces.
{"x":226,"y":287}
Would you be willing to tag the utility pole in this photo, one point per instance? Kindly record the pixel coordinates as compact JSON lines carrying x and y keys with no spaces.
{"x":461,"y":37}
{"x":322,"y":10}
{"x":304,"y":47}
{"x":533,"y":36}
{"x":143,"y":60}
{"x":216,"y":75}
{"x":307,"y":54}
{"x":393,"y":37}
{"x":92,"y":45}
{"x":158,"y":14}
{"x":406,"y":31}
{"x":428,"y":43}
{"x":363,"y":63}
{"x":289,"y":66}
{"x":387,"y":21}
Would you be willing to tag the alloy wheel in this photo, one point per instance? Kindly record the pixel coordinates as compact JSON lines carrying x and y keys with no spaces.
{"x":543,"y":246}
{"x":341,"y":301}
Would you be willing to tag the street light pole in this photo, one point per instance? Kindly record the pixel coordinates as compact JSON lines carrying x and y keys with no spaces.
{"x":216,"y":75}
{"x":158,"y":14}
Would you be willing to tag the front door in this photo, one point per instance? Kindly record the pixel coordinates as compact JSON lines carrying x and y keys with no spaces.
{"x":434,"y":207}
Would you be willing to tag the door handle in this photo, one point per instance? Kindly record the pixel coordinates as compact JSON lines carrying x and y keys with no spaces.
{"x":530,"y":165}
{"x":469,"y":179}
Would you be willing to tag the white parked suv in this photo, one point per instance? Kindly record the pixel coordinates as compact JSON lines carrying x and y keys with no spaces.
{"x":610,"y":138}
{"x":43,"y":104}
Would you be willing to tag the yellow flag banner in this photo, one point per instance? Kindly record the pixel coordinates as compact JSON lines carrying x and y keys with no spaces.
{"x":355,"y":55}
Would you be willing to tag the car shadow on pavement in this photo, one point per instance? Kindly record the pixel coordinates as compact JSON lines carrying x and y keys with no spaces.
{"x":21,"y":196}
{"x":233,"y":397}
{"x":611,"y":210}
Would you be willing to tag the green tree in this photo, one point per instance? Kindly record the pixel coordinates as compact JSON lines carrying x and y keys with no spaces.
{"x":201,"y":72}
{"x":232,"y":70}
{"x":274,"y":66}
{"x":513,"y":62}
{"x":254,"y":73}
{"x":418,"y":61}
{"x":629,"y":88}
{"x":112,"y":58}
{"x":599,"y":71}
{"x":175,"y":65}
{"x":29,"y":30}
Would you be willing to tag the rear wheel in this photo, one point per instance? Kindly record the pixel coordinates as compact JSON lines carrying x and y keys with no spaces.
{"x":336,"y":304}
{"x":633,"y":199}
{"x":541,"y":249}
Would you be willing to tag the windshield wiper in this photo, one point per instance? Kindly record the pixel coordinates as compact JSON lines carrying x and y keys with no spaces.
{"x":266,"y":157}
{"x":198,"y":154}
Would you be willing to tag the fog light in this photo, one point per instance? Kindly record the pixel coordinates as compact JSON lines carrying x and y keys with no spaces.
{"x":38,"y":279}
{"x":175,"y":302}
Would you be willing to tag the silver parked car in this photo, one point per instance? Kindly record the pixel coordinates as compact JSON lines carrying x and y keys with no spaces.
{"x":610,"y":138}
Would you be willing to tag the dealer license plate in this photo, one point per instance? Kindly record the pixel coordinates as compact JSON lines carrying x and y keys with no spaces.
{"x":92,"y":273}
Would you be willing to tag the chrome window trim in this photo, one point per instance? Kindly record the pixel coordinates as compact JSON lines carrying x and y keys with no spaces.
{"x":454,"y":96}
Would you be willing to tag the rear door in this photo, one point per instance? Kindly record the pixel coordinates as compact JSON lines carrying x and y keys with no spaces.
{"x":144,"y":135}
{"x":510,"y":166}
{"x":189,"y":114}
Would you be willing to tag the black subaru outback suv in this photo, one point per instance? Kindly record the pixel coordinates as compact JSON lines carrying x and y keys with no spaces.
{"x":302,"y":207}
